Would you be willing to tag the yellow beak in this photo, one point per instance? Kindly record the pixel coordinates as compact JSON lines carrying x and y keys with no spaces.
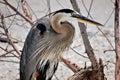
{"x":86,"y":20}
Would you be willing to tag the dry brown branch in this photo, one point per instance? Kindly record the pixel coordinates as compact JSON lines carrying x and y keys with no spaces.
{"x":25,"y":9}
{"x":31,"y":10}
{"x":14,"y":9}
{"x":56,"y":77}
{"x":117,"y":39}
{"x":5,"y":40}
{"x":106,"y":38}
{"x":78,"y":53}
{"x":89,"y":74}
{"x":8,"y":35}
{"x":3,"y":55}
{"x":10,"y":15}
{"x":8,"y":52}
{"x":108,"y":50}
{"x":88,"y":47}
{"x":74,"y":67}
{"x":9,"y":61}
{"x":2,"y":2}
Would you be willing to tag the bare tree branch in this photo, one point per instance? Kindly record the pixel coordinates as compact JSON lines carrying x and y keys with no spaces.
{"x":9,"y":61}
{"x":89,"y":73}
{"x":74,"y":67}
{"x":8,"y":52}
{"x":5,"y":40}
{"x":88,"y":47}
{"x":8,"y":35}
{"x":25,"y":10}
{"x":14,"y":9}
{"x":117,"y":39}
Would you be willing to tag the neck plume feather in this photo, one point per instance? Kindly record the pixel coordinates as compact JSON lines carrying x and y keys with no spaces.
{"x":65,"y":29}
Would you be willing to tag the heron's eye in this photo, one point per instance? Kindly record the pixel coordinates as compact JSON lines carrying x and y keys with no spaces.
{"x":72,"y":14}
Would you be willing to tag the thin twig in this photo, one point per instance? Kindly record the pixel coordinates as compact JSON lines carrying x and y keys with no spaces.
{"x":49,"y":9}
{"x":8,"y":52}
{"x":5,"y":40}
{"x":109,"y":17}
{"x":10,"y":15}
{"x":56,"y":77}
{"x":3,"y":55}
{"x":58,"y":1}
{"x":86,"y":8}
{"x":74,"y":67}
{"x":8,"y":35}
{"x":78,"y":53}
{"x":14,"y":9}
{"x":2,"y":2}
{"x":9,"y":61}
{"x":25,"y":9}
{"x":31,"y":10}
{"x":90,"y":7}
{"x":108,"y":50}
{"x":106,"y":38}
{"x":104,"y":24}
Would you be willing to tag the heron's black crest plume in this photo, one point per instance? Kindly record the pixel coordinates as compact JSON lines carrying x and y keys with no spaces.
{"x":64,"y":11}
{"x":61,"y":10}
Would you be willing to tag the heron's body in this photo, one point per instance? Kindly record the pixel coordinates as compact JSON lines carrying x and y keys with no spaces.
{"x":44,"y":45}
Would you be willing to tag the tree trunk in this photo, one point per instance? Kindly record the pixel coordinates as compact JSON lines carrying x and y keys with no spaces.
{"x":117,"y":39}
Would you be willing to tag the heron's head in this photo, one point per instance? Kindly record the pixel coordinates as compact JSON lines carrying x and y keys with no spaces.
{"x":71,"y":15}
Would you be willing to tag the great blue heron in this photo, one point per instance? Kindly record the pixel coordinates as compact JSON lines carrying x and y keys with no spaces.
{"x":46,"y":42}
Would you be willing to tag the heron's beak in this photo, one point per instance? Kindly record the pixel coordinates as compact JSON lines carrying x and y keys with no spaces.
{"x":85,"y":20}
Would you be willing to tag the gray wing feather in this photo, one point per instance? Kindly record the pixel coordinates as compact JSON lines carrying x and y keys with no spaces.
{"x":27,"y":66}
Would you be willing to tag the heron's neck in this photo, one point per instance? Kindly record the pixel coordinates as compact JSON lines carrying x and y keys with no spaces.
{"x":65,"y":29}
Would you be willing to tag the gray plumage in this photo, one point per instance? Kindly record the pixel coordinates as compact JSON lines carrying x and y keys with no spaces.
{"x":40,"y":49}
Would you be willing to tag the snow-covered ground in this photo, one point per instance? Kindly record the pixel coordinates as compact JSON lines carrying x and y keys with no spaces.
{"x":100,"y":11}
